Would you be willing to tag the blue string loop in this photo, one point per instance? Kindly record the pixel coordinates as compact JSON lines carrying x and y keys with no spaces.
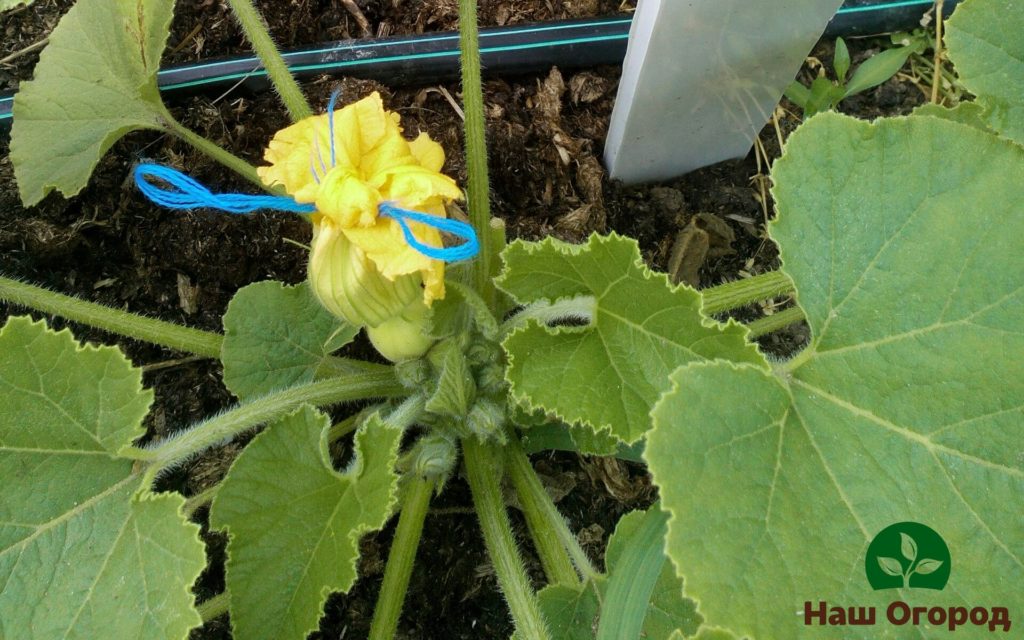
{"x":187,"y":193}
{"x":464,"y":251}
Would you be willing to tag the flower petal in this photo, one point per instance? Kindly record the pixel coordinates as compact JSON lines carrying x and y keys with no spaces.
{"x":429,"y":154}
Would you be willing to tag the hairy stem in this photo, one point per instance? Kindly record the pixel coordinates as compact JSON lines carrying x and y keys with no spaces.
{"x":581,"y":308}
{"x":733,"y":295}
{"x":478,"y":185}
{"x":256,"y":32}
{"x":198,"y":501}
{"x":481,"y":462}
{"x":415,"y":502}
{"x":551,"y":535}
{"x":774,"y":322}
{"x":214,"y":607}
{"x":248,"y":415}
{"x":165,"y":334}
{"x":218,"y":153}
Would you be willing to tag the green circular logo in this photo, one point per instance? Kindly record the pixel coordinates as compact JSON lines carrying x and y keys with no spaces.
{"x":908,"y":555}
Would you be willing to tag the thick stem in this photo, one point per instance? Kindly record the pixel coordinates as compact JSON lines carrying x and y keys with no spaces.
{"x":480,"y":463}
{"x":225,"y":426}
{"x":214,"y":607}
{"x":774,"y":322}
{"x":165,"y":334}
{"x":215,"y":151}
{"x":478,"y":185}
{"x":937,"y":73}
{"x":733,"y":295}
{"x":256,"y":32}
{"x":415,"y":504}
{"x":551,"y":535}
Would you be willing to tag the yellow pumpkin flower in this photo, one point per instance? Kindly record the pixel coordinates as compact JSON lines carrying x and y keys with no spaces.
{"x":361,"y":266}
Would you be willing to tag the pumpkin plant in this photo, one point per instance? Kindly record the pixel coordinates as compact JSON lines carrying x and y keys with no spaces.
{"x":898,"y":237}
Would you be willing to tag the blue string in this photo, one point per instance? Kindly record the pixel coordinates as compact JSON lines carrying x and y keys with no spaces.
{"x":330,"y":122}
{"x":464,"y":251}
{"x":187,"y":193}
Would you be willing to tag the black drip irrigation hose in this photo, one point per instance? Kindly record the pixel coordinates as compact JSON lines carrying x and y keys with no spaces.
{"x":431,"y":58}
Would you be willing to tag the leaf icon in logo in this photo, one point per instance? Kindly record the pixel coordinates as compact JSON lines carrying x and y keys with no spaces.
{"x":927,"y":565}
{"x":891,"y":566}
{"x":908,"y":547}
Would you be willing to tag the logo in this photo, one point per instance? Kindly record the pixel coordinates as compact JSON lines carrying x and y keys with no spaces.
{"x":907,"y":555}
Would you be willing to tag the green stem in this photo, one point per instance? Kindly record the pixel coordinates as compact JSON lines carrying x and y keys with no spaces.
{"x":733,"y":295}
{"x":774,"y":322}
{"x":415,"y":503}
{"x":551,"y":534}
{"x":214,"y":607}
{"x":165,"y":334}
{"x":256,"y":32}
{"x":582,"y":308}
{"x":225,"y":426}
{"x":215,"y":151}
{"x":480,"y":462}
{"x":478,"y":185}
{"x":196,"y":502}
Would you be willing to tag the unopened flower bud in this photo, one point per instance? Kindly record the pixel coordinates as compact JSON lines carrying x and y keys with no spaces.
{"x":350,"y":286}
{"x":403,"y":337}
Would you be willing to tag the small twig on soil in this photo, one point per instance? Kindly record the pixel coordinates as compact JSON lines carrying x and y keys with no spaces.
{"x":455,"y":105}
{"x":29,"y":49}
{"x":187,"y":39}
{"x":357,"y":13}
{"x":167,"y":364}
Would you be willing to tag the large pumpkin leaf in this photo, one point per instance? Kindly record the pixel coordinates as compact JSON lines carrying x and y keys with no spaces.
{"x":276,"y":336}
{"x":295,"y":523}
{"x":903,"y":240}
{"x":77,"y":551}
{"x":95,"y":81}
{"x":986,"y":44}
{"x":608,"y":374}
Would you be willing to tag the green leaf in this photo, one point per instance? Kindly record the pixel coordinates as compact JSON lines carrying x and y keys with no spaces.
{"x":455,"y":387}
{"x":571,"y":613}
{"x":877,"y":69}
{"x":59,"y":396}
{"x":798,"y":94}
{"x":639,"y":597}
{"x":95,"y":82}
{"x":841,"y":60}
{"x":902,"y":238}
{"x":970,"y":113}
{"x":636,"y":563}
{"x":985,"y":39}
{"x":295,"y":523}
{"x":609,"y":373}
{"x":908,"y":547}
{"x":820,"y":96}
{"x":277,"y":336}
{"x":928,"y":565}
{"x":709,"y":633}
{"x":76,"y":549}
{"x":891,"y":566}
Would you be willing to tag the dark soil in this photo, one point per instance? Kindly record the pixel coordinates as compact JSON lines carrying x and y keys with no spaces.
{"x":546,"y":134}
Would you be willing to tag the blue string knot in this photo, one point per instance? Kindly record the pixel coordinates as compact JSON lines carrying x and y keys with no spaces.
{"x":187,"y":193}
